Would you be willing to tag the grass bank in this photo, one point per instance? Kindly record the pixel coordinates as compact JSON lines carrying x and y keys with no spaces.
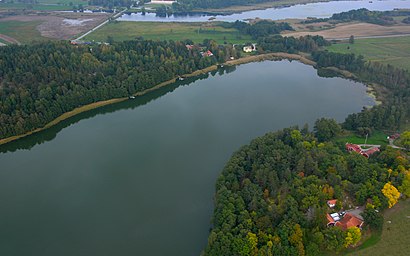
{"x":376,"y":138}
{"x":177,"y":31}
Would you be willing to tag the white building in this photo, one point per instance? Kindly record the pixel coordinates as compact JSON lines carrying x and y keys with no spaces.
{"x":162,"y":2}
{"x":249,"y":48}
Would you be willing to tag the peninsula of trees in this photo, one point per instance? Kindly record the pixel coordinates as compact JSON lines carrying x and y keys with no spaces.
{"x":271,"y":196}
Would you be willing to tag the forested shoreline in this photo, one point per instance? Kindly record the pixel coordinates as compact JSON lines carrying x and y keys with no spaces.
{"x":42,"y":81}
{"x":271,"y":196}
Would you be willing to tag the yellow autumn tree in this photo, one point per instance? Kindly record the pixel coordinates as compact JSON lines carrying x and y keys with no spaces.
{"x":391,"y":193}
{"x":296,"y":239}
{"x":353,"y":236}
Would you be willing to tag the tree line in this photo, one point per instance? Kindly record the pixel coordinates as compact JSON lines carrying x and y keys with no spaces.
{"x":258,"y":29}
{"x":187,"y":5}
{"x":364,"y":15}
{"x":40,"y":82}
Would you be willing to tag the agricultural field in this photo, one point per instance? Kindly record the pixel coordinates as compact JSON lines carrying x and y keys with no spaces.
{"x":197,"y":32}
{"x":34,"y":7}
{"x":43,"y":5}
{"x":392,"y":50}
{"x":58,"y":25}
{"x":395,"y":234}
{"x":22,"y":31}
{"x":64,"y":2}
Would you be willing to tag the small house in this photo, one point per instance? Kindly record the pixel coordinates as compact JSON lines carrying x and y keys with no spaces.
{"x":353,"y":147}
{"x":249,"y":48}
{"x":369,"y":152}
{"x":207,"y":54}
{"x":331,"y":203}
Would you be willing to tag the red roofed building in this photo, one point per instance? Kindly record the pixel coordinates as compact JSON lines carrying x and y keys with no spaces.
{"x":369,"y":152}
{"x":207,"y":54}
{"x":348,"y":221}
{"x":353,"y":147}
{"x":332,"y":203}
{"x":364,"y":152}
{"x":330,"y":221}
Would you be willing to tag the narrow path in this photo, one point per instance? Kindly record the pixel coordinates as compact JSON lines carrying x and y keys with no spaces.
{"x":100,"y":25}
{"x":391,"y":144}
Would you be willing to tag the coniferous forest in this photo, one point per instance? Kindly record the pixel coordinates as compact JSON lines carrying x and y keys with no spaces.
{"x":42,"y":81}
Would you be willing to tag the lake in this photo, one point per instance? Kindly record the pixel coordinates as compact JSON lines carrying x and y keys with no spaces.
{"x":318,"y":10}
{"x":138,"y":177}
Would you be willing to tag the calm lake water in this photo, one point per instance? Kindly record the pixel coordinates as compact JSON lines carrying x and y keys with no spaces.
{"x":319,"y":10}
{"x":137,"y":178}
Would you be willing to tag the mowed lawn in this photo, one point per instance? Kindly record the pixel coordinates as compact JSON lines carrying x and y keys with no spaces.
{"x":395,"y":238}
{"x":22,"y":31}
{"x":391,"y":50}
{"x":197,"y":32}
{"x":376,"y":138}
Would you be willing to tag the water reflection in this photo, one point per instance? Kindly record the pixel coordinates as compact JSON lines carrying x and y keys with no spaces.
{"x":28,"y":142}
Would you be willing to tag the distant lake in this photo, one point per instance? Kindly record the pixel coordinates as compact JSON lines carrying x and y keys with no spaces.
{"x":138,"y":177}
{"x":318,"y":10}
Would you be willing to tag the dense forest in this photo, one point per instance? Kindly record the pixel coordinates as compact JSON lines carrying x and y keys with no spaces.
{"x":39,"y":82}
{"x":271,"y":196}
{"x":258,"y":29}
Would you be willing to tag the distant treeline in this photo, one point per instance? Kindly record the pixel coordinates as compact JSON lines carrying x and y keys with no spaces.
{"x":111,"y":3}
{"x":375,"y":17}
{"x":186,"y":5}
{"x":258,"y":29}
{"x":42,"y":81}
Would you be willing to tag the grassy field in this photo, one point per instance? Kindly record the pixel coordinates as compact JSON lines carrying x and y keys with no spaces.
{"x":64,"y":2}
{"x":24,"y":32}
{"x":392,"y":50}
{"x":121,"y":31}
{"x":37,"y":7}
{"x":377,"y":138}
{"x":395,"y":238}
